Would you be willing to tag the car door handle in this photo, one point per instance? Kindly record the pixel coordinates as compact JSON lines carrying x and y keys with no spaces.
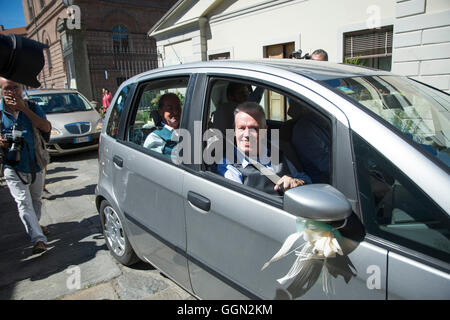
{"x":199,"y":201}
{"x":118,"y":160}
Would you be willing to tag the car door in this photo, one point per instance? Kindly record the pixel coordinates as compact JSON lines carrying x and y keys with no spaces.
{"x":108,"y":140}
{"x":148,"y":184}
{"x":400,"y":151}
{"x":233,"y":230}
{"x":404,"y":220}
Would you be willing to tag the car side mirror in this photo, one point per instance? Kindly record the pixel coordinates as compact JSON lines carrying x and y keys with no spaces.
{"x":320,"y":202}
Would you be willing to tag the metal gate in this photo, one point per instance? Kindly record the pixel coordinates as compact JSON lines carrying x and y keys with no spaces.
{"x":112,"y":61}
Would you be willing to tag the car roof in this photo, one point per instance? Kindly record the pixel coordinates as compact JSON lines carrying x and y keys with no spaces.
{"x":315,"y":70}
{"x":32,"y":92}
{"x":321,"y":70}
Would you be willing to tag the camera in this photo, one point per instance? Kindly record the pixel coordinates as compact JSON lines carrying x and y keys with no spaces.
{"x":16,"y":140}
{"x":298,"y":55}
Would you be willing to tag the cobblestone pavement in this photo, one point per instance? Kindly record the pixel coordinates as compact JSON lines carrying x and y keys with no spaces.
{"x":77,"y":264}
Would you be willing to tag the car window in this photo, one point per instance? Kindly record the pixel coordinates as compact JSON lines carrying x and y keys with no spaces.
{"x":156,"y":115}
{"x":275,"y":104}
{"x":112,"y":129}
{"x":61,"y":102}
{"x":419,"y":113}
{"x":395,"y":208}
{"x":293,"y":126}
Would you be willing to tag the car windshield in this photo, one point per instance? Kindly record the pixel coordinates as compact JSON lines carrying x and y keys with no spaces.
{"x":61,"y":102}
{"x":419,"y":112}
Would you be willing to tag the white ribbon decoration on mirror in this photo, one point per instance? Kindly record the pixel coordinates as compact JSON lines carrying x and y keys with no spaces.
{"x":319,"y":245}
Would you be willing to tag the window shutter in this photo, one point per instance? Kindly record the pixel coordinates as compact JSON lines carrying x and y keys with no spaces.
{"x":368,"y":43}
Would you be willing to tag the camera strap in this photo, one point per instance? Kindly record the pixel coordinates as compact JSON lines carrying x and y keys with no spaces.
{"x":32,"y":167}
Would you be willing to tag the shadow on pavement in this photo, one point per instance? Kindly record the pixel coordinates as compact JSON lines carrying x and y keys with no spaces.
{"x":60,"y":169}
{"x":87,"y":190}
{"x":69,"y":243}
{"x":142,"y":265}
{"x":93,"y":154}
{"x":57,"y":179}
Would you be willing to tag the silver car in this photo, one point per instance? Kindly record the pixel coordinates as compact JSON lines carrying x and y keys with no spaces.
{"x":76,"y":125}
{"x":382,"y":192}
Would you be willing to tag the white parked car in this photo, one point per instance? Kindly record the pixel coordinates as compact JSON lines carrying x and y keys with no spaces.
{"x":76,"y":125}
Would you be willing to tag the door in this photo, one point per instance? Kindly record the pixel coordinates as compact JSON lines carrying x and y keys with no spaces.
{"x":412,"y":279}
{"x":233,"y":230}
{"x":407,"y":223}
{"x":148,"y":184}
{"x":276,"y":101}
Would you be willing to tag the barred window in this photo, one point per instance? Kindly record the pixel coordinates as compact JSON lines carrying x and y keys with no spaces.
{"x":120,"y":39}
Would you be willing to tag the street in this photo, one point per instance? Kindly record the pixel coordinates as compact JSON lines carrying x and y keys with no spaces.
{"x":78,"y":264}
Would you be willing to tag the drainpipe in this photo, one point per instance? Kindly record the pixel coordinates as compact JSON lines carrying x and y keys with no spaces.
{"x":203,"y":24}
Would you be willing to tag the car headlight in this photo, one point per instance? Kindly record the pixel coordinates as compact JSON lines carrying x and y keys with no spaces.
{"x":99,"y":125}
{"x":55,"y":132}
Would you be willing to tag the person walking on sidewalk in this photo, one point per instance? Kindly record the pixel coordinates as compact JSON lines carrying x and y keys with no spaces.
{"x":106,"y":99}
{"x":23,"y":176}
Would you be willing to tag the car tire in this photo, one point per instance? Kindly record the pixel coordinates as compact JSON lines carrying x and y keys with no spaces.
{"x":115,"y":237}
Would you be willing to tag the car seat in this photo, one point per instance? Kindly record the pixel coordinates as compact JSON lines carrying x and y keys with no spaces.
{"x":295,"y":111}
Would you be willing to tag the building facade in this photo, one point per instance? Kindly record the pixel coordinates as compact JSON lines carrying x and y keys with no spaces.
{"x":93,"y":44}
{"x":422,"y":41}
{"x":407,"y":37}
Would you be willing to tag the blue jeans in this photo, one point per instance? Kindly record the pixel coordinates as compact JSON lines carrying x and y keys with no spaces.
{"x":29,"y":201}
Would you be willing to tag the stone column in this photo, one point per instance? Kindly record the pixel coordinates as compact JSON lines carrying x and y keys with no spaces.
{"x":76,"y":58}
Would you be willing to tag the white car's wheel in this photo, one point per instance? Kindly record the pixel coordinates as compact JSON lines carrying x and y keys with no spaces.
{"x":115,"y":236}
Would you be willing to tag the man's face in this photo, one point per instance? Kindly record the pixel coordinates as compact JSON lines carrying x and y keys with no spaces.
{"x":11,"y":92}
{"x":171,"y":112}
{"x":239,"y":95}
{"x":247,"y":133}
{"x":318,"y":57}
{"x":11,"y":88}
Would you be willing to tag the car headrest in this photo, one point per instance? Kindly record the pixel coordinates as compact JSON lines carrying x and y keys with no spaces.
{"x":296,"y":108}
{"x":157,"y":120}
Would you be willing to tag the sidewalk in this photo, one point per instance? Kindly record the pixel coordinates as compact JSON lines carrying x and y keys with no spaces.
{"x":76,"y":247}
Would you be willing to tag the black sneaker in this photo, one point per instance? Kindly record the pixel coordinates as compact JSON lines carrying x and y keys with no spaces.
{"x":39,"y":247}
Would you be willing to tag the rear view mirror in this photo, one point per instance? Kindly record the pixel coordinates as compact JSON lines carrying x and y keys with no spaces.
{"x":320,"y":202}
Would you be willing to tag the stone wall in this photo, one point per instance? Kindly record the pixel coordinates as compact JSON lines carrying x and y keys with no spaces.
{"x":422,"y":41}
{"x":42,"y":27}
{"x":92,"y":56}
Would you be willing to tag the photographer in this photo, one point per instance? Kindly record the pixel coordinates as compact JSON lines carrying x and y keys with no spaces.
{"x":319,"y":55}
{"x":22,"y":174}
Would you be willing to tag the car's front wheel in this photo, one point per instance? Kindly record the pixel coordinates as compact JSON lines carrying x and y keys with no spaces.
{"x":115,"y":236}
